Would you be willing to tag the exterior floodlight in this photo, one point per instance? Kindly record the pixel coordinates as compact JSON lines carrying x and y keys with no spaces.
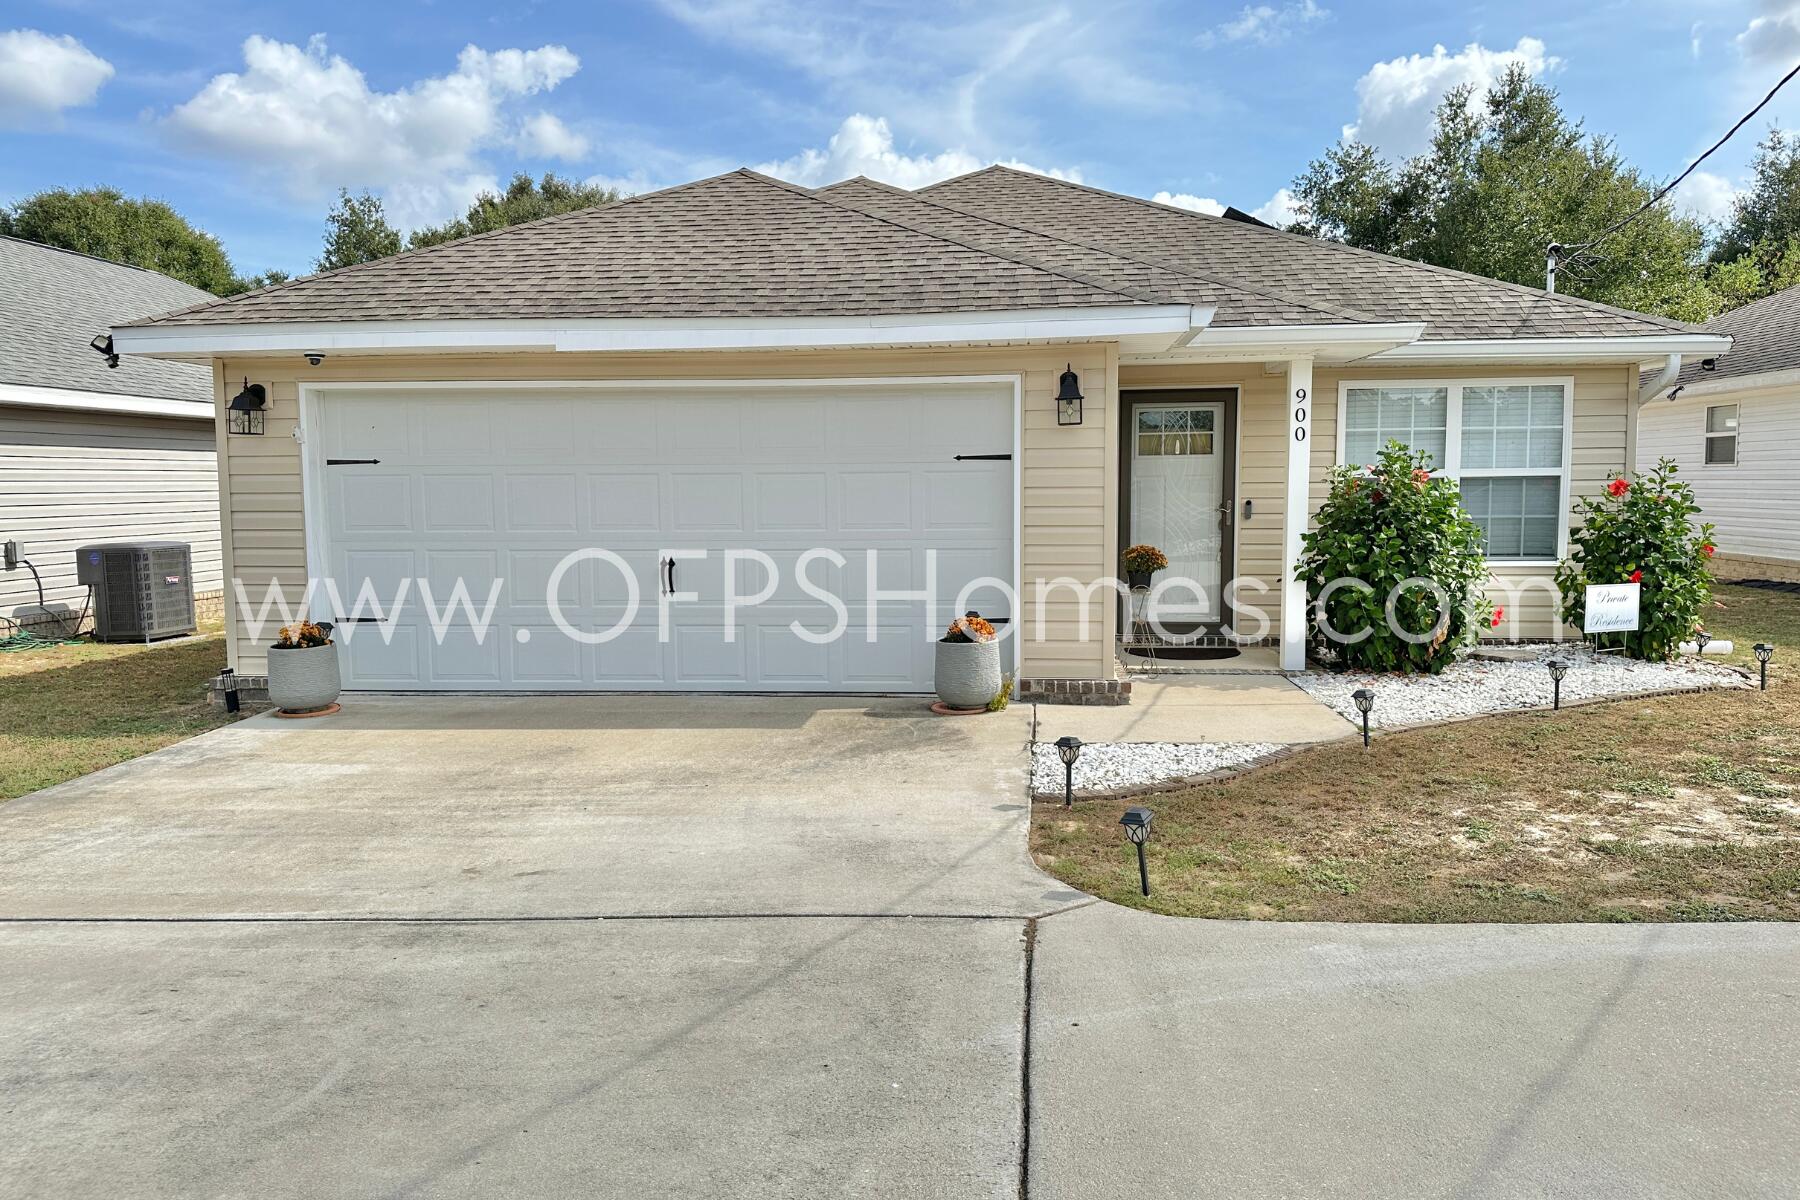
{"x":1068,"y":749}
{"x":1764,"y":652}
{"x":1365,"y":700}
{"x":1558,"y":670}
{"x":1136,"y":823}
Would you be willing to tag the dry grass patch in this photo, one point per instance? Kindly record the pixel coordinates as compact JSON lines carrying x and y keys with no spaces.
{"x":1677,"y":808}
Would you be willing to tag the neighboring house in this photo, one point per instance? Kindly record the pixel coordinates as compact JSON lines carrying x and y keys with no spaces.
{"x":91,"y":453}
{"x":1733,"y":426}
{"x":740,"y":364}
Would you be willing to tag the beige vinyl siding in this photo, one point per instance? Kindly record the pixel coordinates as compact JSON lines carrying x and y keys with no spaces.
{"x":70,"y":478}
{"x":1067,"y":474}
{"x":1755,"y":503}
{"x":1597,"y":447}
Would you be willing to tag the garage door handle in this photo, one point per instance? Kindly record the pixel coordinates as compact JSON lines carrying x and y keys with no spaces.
{"x":352,"y":462}
{"x":983,"y":458}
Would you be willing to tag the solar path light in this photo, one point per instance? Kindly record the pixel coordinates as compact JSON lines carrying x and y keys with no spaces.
{"x":1068,"y":749}
{"x":1136,"y":823}
{"x":1764,"y":652}
{"x":1558,"y":670}
{"x":1365,"y":700}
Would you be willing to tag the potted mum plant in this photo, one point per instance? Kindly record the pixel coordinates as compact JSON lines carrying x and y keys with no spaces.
{"x":968,"y":664}
{"x":1141,"y":562}
{"x":303,"y":670}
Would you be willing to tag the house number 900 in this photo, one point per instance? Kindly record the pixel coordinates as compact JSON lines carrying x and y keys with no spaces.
{"x":1300,"y":415}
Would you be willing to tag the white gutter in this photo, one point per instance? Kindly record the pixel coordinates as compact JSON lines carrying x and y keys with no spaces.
{"x":1168,"y":321}
{"x":1572,"y":349}
{"x":1665,"y":379}
{"x":25,"y":396}
{"x":1762,"y":381}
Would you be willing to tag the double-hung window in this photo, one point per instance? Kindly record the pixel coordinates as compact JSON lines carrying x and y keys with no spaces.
{"x":1721,"y":435}
{"x":1505,"y":442}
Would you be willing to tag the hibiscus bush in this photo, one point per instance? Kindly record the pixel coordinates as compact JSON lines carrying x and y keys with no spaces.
{"x":1393,"y":524}
{"x":1643,"y":531}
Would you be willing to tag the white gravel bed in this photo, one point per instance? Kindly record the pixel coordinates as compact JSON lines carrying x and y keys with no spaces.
{"x":1109,"y":766}
{"x":1470,"y":687}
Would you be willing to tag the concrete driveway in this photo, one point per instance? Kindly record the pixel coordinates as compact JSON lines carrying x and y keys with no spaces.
{"x":760,"y":947}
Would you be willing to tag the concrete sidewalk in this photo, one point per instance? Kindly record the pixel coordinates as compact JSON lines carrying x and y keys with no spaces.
{"x":1201,"y":708}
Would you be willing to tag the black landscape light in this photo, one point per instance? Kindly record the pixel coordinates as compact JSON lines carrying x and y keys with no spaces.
{"x":228,"y":680}
{"x":1701,"y":640}
{"x":1558,"y":670}
{"x":1136,"y":823}
{"x":1365,"y":700}
{"x":1068,"y":398}
{"x":1764,"y":652}
{"x":1068,"y":749}
{"x":246,"y":408}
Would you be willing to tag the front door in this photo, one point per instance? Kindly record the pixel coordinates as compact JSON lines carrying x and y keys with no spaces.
{"x":1178,"y":453}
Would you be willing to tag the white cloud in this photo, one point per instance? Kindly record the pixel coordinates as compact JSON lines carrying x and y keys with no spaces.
{"x":310,"y":118}
{"x":1280,"y":210}
{"x":545,"y":135}
{"x":1774,"y":37}
{"x":864,"y":145}
{"x":1265,"y":25}
{"x":1395,"y":100}
{"x":1706,"y":196}
{"x":41,"y":75}
{"x":1199,"y":204}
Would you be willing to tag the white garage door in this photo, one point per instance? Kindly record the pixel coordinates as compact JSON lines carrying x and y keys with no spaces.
{"x":496,"y":488}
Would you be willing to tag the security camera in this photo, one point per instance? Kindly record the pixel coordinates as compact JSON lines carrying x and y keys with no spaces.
{"x":314,"y":357}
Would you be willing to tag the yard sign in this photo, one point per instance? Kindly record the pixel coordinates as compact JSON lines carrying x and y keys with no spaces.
{"x":1611,"y":608}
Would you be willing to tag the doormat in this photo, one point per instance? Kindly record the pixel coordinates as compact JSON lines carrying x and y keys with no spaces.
{"x":1190,"y":653}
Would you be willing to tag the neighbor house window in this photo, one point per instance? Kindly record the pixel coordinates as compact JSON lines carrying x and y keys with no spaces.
{"x":1504,"y":442}
{"x":1721,"y":435}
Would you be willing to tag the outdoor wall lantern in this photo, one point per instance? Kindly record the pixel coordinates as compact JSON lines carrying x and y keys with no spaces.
{"x":1068,"y":398}
{"x":1558,"y":671}
{"x":1365,"y":700}
{"x":1068,"y":749}
{"x":1764,"y":652}
{"x":246,"y":408}
{"x":1136,"y":823}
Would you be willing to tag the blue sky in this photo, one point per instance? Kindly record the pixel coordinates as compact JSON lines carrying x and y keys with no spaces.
{"x":248,"y":117}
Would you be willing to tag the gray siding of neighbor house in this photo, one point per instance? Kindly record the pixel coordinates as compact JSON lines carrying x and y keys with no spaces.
{"x":69,"y":478}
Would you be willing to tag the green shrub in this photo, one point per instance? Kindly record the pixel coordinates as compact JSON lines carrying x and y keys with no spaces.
{"x":1390,"y":524}
{"x":1643,"y":532}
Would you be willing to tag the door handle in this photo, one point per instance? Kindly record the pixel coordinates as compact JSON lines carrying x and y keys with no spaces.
{"x":1226,"y":511}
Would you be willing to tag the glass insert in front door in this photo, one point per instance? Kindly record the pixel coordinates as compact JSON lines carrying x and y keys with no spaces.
{"x":1177,"y":497}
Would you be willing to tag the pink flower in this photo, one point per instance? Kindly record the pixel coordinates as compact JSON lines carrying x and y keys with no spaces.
{"x":1421,"y":476}
{"x":1617,"y":488}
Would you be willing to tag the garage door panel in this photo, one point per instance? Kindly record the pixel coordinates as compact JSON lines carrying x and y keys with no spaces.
{"x":505,"y":485}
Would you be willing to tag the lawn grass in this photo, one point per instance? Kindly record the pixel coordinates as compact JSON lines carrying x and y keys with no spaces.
{"x":1682,"y":808}
{"x":69,"y":710}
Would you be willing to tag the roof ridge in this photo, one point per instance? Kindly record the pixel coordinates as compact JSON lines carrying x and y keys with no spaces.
{"x":111,"y":262}
{"x":588,"y":210}
{"x":1129,"y":293}
{"x":1266,"y":231}
{"x":1337,"y":310}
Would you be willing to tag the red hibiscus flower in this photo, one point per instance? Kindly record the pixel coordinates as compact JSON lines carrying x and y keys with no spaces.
{"x":1617,"y":488}
{"x":1707,"y":548}
{"x":1637,"y":576}
{"x":1499,"y":615}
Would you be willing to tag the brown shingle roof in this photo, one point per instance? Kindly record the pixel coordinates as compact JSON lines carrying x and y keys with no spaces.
{"x":737,"y":245}
{"x":745,"y":245}
{"x":1765,"y":337}
{"x":1454,"y":304}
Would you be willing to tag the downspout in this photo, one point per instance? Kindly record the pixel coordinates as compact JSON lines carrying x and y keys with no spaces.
{"x":1664,"y":379}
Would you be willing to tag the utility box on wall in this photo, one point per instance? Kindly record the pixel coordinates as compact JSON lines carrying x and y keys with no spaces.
{"x":142,"y":590}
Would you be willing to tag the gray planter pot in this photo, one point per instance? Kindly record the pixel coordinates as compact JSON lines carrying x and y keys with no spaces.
{"x":305,"y":678}
{"x":968,"y":673}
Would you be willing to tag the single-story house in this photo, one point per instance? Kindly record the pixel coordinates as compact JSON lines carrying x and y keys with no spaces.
{"x":1732,"y":424}
{"x":93,"y":453}
{"x":861,"y":384}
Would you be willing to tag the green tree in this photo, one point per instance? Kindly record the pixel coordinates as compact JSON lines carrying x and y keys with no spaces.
{"x":357,"y":231}
{"x":525,"y":199}
{"x":251,"y":283}
{"x":1503,"y":179}
{"x":107,"y":224}
{"x":1767,"y":214}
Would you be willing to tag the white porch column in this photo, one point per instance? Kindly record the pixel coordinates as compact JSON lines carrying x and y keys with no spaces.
{"x":1293,"y":520}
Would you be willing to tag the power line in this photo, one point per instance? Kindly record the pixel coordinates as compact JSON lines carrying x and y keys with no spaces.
{"x":1574,"y":252}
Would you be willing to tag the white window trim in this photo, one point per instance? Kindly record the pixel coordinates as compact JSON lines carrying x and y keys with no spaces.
{"x":1452,"y":468}
{"x":1707,"y":435}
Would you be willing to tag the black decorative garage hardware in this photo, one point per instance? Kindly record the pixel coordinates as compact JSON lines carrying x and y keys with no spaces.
{"x":983,"y":458}
{"x":352,"y":462}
